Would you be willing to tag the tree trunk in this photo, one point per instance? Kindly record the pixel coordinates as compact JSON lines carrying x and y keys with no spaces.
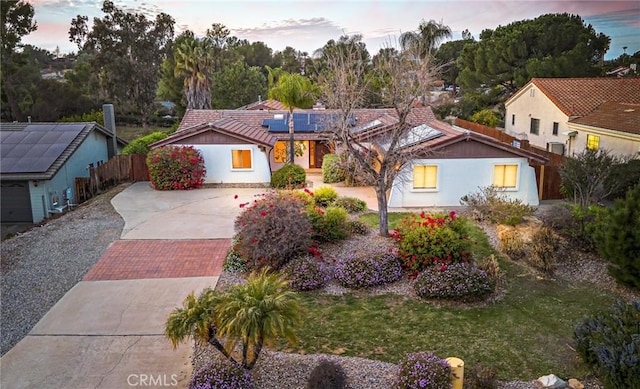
{"x":256,"y":353}
{"x":381,"y":195}
{"x":291,"y":148}
{"x":216,"y":343}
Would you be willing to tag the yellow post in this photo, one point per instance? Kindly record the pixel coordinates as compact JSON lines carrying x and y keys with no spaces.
{"x":457,"y":371}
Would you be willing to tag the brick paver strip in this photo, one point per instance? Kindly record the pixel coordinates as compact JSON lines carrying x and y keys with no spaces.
{"x":138,"y":259}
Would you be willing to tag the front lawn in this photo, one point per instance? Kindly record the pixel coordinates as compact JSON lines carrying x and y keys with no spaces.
{"x":525,"y":334}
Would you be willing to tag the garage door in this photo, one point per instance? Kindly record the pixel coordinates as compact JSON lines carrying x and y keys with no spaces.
{"x":16,"y":204}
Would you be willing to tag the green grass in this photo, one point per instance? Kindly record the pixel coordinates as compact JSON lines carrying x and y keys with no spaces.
{"x":525,"y":334}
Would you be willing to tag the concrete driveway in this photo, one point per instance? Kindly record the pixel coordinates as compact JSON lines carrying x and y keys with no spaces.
{"x":194,"y":214}
{"x":108,"y":330}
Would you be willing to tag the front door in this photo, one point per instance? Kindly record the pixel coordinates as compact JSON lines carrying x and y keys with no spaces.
{"x":317,"y":151}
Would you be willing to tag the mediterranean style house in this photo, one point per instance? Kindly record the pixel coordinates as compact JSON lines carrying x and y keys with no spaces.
{"x":568,"y":115}
{"x":244,"y":146}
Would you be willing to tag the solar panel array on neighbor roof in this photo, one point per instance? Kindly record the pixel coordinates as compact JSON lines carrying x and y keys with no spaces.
{"x":35,"y":148}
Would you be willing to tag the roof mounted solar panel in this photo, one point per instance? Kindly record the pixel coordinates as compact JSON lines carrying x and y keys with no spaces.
{"x":303,"y":122}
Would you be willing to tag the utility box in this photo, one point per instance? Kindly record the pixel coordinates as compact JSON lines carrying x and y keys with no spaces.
{"x":457,"y":372}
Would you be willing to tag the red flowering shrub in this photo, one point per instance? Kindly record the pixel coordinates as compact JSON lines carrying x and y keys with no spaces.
{"x":176,"y":168}
{"x":426,"y":239}
{"x":273,"y":230}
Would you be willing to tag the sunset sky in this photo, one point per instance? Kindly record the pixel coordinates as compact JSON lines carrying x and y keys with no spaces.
{"x":307,"y":25}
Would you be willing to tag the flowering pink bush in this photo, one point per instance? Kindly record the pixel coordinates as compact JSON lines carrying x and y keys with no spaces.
{"x":306,"y":273}
{"x":176,"y":168}
{"x":273,"y":229}
{"x":427,"y":239}
{"x":365,"y":270}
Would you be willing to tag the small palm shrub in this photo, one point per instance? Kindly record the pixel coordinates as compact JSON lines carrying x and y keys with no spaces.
{"x":331,"y":169}
{"x":365,"y":270}
{"x":423,"y":370}
{"x":329,"y":225}
{"x":324,"y":196}
{"x":327,"y":375}
{"x":273,"y":230}
{"x":543,"y":250}
{"x":351,"y":204}
{"x":176,"y":168}
{"x":490,"y":203}
{"x":424,"y":239}
{"x":609,"y":342}
{"x":458,"y":281}
{"x":481,"y":377}
{"x":306,"y":273}
{"x":512,"y":245}
{"x":289,"y":176}
{"x":221,"y":374}
{"x":141,"y":145}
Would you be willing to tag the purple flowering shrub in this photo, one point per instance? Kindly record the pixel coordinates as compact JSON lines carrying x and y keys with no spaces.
{"x":365,"y":270}
{"x":306,"y":273}
{"x":273,"y":230}
{"x":423,"y":370}
{"x":459,"y":281}
{"x":221,"y":374}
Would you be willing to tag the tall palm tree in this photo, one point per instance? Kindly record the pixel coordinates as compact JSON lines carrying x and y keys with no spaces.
{"x":254,"y":314}
{"x":293,"y":90}
{"x":194,"y":61}
{"x":429,"y":35}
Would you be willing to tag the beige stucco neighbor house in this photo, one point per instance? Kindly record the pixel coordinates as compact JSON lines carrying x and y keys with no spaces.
{"x":569,"y":115}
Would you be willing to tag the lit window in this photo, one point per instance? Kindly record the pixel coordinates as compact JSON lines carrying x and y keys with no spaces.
{"x":241,"y":159}
{"x":593,"y":142}
{"x":280,"y":152}
{"x":555,"y":128}
{"x":505,"y":176}
{"x":535,"y":126}
{"x":425,"y":177}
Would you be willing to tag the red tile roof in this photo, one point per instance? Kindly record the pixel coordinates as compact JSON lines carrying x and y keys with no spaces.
{"x":265,"y":105}
{"x":580,"y":96}
{"x":612,"y":115}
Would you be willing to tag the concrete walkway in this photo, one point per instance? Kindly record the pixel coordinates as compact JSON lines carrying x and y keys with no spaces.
{"x":108,"y":330}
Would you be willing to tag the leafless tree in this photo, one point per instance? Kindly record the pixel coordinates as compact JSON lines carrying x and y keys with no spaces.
{"x":381,"y":152}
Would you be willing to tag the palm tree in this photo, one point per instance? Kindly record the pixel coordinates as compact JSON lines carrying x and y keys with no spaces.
{"x":256,"y":313}
{"x":194,"y":61}
{"x":427,"y":38}
{"x":293,"y":90}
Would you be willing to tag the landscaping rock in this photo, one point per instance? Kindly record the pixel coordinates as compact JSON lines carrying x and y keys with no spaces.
{"x":550,"y":381}
{"x":575,"y":384}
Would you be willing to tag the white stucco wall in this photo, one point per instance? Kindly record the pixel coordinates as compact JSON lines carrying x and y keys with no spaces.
{"x":459,"y":177}
{"x":527,"y":105}
{"x":616,"y":142}
{"x":217,"y":160}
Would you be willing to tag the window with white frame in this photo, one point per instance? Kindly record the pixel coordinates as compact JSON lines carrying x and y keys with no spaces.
{"x":425,"y":177}
{"x":241,"y":159}
{"x":505,"y":176}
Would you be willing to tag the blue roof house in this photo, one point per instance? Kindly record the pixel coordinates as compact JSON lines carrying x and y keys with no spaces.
{"x":40,"y":161}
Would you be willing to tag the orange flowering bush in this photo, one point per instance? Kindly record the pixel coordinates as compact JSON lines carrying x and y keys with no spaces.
{"x":176,"y":168}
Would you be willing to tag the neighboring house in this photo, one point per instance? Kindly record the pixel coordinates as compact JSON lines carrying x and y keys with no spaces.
{"x":453,"y":162}
{"x":544,"y":109}
{"x":39,"y":164}
{"x":612,"y":126}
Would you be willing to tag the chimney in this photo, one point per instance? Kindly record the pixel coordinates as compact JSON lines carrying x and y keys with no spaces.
{"x":110,"y":124}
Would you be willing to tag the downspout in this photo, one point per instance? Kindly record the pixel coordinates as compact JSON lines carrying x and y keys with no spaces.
{"x":541,"y":183}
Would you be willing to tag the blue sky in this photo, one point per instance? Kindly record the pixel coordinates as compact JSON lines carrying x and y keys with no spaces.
{"x":307,"y":25}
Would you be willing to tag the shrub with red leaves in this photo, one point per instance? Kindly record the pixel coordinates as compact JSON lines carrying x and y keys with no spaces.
{"x":176,"y":168}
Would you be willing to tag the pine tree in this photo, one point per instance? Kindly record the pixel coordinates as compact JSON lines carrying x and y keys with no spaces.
{"x":621,"y":244}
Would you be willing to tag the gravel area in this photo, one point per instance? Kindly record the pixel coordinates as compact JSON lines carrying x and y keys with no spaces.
{"x":40,"y":265}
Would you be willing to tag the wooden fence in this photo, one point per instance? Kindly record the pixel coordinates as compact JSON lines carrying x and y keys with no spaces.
{"x":550,"y":172}
{"x":119,"y":169}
